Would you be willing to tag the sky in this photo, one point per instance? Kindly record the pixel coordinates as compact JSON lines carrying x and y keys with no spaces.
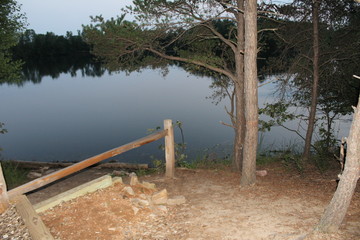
{"x":60,"y":16}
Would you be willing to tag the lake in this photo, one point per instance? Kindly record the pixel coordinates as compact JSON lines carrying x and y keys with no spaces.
{"x":71,"y":118}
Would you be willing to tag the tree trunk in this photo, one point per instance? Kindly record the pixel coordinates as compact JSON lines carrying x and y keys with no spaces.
{"x":239,"y":127}
{"x":314,"y":89}
{"x":251,"y":99}
{"x":335,"y":212}
{"x":239,"y":93}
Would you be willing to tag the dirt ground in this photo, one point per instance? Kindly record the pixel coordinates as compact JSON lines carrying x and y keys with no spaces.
{"x":282,"y":205}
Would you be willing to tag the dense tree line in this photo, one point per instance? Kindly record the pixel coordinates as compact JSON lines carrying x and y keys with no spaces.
{"x":49,"y":55}
{"x":49,"y":47}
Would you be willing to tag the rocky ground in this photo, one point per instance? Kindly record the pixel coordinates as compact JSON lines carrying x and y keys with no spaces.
{"x":283,"y":205}
{"x":12,"y":226}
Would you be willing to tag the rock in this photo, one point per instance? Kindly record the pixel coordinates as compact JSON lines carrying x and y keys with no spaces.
{"x":149,"y":185}
{"x":49,"y":171}
{"x":33,"y":174}
{"x":143,"y":196}
{"x":44,"y":169}
{"x":176,"y":200}
{"x":117,"y":180}
{"x":162,"y":208}
{"x":129,"y":191}
{"x":261,"y":173}
{"x":135,"y":209}
{"x":119,"y":173}
{"x":133,"y":179}
{"x":160,"y":197}
{"x":140,"y":202}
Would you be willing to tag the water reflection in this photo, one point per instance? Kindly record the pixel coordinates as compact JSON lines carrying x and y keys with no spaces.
{"x":36,"y":71}
{"x":73,"y":118}
{"x":87,"y":111}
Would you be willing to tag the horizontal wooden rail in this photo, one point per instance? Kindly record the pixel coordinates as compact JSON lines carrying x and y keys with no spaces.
{"x":37,"y":183}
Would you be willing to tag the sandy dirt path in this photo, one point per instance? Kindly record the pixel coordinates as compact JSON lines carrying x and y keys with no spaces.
{"x":284,"y":205}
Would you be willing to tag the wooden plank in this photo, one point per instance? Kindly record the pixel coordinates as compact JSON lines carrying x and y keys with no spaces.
{"x":37,"y":183}
{"x":4,"y":199}
{"x":92,"y":186}
{"x":32,"y":165}
{"x":169,"y":149}
{"x":33,"y":222}
{"x":124,"y":165}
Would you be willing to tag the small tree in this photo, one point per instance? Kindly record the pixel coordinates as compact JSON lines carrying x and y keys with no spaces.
{"x":320,"y":57}
{"x":11,"y":22}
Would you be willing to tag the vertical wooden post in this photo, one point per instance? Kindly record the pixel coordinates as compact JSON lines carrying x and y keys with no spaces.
{"x":4,"y":199}
{"x":169,"y":149}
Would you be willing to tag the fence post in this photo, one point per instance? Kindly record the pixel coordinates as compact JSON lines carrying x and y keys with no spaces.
{"x":4,"y":200}
{"x":169,"y":149}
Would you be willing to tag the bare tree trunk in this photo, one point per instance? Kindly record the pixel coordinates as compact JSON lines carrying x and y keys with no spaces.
{"x":251,"y":98}
{"x":335,"y":212}
{"x":239,"y":126}
{"x":314,"y":90}
{"x":239,"y":94}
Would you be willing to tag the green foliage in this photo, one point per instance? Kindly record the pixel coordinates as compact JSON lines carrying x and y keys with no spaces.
{"x":11,"y":21}
{"x":144,"y":172}
{"x":210,"y":161}
{"x":14,"y":176}
{"x":287,"y":157}
{"x":338,"y":61}
{"x":326,"y":147}
{"x":278,"y":115}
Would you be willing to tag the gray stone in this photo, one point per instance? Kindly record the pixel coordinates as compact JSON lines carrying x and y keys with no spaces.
{"x":160,"y":197}
{"x":119,"y":173}
{"x":129,"y":191}
{"x":140,"y":202}
{"x":133,"y":179}
{"x":135,"y":209}
{"x":149,"y":185}
{"x":177,"y":200}
{"x":117,"y":180}
{"x":33,"y":174}
{"x":162,"y":208}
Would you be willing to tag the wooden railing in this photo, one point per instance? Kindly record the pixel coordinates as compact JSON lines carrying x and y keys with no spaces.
{"x":168,"y":133}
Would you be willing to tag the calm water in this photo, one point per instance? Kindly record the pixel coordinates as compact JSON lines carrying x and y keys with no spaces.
{"x":72,"y":118}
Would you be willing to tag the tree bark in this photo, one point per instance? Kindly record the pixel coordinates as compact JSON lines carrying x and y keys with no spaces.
{"x":314,"y":89}
{"x":239,"y":128}
{"x":251,"y":98}
{"x":336,"y":210}
{"x":239,"y":93}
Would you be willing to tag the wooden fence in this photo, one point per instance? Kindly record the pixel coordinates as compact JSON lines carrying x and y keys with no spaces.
{"x":168,"y":133}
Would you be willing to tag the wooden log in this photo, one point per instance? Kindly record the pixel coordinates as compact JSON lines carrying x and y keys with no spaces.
{"x":33,"y":222}
{"x":37,"y":183}
{"x":124,"y":165}
{"x":169,"y":149}
{"x":35,"y":165}
{"x":4,"y":199}
{"x":89,"y":187}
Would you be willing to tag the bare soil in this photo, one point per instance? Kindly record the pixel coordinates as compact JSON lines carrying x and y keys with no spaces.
{"x":282,"y":205}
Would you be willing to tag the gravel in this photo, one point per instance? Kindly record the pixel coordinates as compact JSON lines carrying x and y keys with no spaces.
{"x":12,"y":226}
